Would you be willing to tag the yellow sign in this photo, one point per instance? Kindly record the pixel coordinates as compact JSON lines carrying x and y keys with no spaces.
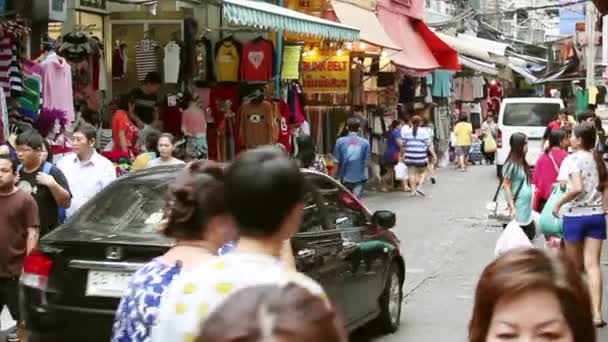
{"x":326,"y":74}
{"x":290,"y":67}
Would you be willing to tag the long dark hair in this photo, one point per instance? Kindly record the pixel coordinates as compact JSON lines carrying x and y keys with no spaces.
{"x":555,"y":139}
{"x":517,"y":155}
{"x":588,"y":135}
{"x":306,"y":150}
{"x":416,"y":123}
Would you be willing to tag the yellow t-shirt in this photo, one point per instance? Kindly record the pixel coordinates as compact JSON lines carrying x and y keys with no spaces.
{"x":141,"y":161}
{"x":463,"y":131}
{"x":227,"y":63}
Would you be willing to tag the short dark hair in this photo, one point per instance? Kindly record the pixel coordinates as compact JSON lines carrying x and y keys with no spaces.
{"x":353,"y":124}
{"x":463,"y":118}
{"x":88,"y":131}
{"x":11,"y":160}
{"x":168,"y":136}
{"x":195,"y":196}
{"x":262,"y":187}
{"x":152,"y":141}
{"x":153,"y":78}
{"x":584,"y":116}
{"x":31,"y":139}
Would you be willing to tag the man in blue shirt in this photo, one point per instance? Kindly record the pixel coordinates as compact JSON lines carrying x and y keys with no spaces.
{"x":352,"y":154}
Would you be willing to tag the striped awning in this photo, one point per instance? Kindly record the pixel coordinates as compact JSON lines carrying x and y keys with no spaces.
{"x":266,"y":16}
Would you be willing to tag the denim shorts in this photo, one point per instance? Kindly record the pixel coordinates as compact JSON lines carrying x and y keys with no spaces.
{"x":577,"y":228}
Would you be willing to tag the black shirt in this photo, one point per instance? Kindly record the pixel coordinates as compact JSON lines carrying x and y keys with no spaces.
{"x":48,"y":209}
{"x":144,"y":105}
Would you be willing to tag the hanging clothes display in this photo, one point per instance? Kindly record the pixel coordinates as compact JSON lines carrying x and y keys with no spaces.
{"x":57,"y":87}
{"x":172,"y":62}
{"x":442,"y":83}
{"x":457,"y":88}
{"x":478,"y":85}
{"x":256,"y":123}
{"x":284,"y":123}
{"x":258,"y":61}
{"x":4,"y":123}
{"x":146,"y":58}
{"x":356,"y":83}
{"x":467,"y":90}
{"x":10,"y":72}
{"x":224,"y":105}
{"x":172,"y":115}
{"x":204,"y":61}
{"x":119,"y":61}
{"x":227,"y":60}
{"x":194,"y":127}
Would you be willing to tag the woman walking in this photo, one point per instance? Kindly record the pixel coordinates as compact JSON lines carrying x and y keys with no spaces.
{"x":517,"y":184}
{"x":584,"y":210}
{"x":547,"y":167}
{"x":417,"y":144}
{"x":489,"y":132}
{"x":464,"y":139}
{"x":392,"y":154}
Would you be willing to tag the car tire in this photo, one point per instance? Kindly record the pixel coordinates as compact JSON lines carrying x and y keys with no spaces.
{"x":390,"y":303}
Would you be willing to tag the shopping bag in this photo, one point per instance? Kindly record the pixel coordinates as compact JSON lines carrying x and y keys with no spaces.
{"x":511,"y":238}
{"x":400,"y":171}
{"x":549,"y":224}
{"x":489,"y":144}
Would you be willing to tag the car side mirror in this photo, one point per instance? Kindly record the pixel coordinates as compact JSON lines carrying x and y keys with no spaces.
{"x":384,"y":218}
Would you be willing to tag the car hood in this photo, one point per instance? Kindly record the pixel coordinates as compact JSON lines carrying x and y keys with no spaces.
{"x":69,"y":233}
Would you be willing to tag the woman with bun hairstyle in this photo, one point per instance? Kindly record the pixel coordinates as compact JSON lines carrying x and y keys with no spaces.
{"x":531,"y":295}
{"x":197,"y":218}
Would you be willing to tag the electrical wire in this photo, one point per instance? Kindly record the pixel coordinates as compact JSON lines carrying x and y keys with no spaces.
{"x":535,"y":8}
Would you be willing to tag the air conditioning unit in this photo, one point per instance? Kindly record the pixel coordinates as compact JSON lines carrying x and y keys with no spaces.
{"x":49,"y":10}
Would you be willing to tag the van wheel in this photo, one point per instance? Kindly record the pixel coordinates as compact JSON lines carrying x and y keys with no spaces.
{"x":498,"y":171}
{"x":390,"y":303}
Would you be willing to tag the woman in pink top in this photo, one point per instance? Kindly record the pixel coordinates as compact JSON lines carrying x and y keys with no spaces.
{"x":547,"y":167}
{"x":194,"y":127}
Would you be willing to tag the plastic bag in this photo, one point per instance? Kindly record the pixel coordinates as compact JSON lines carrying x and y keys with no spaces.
{"x":400,"y":171}
{"x":549,"y":224}
{"x":489,"y":144}
{"x":511,"y":238}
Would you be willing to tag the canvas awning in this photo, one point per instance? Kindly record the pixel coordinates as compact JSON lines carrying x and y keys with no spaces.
{"x":477,"y":65}
{"x":371,"y":30}
{"x":266,"y":16}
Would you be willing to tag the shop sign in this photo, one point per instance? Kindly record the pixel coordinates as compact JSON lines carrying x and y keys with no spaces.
{"x":290,"y":65}
{"x":96,"y":4}
{"x":326,"y":74}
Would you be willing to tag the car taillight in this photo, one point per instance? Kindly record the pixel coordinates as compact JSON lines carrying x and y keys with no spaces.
{"x":499,"y":140}
{"x":36,"y":270}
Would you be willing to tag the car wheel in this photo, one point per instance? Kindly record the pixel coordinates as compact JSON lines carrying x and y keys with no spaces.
{"x":390,"y":303}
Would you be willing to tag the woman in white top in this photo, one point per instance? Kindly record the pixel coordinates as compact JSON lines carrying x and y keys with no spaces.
{"x":584,"y":210}
{"x":166,"y":147}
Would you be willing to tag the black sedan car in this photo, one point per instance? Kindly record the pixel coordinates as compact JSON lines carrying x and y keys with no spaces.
{"x":71,"y":288}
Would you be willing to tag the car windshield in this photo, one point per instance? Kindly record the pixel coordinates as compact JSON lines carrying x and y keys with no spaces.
{"x":530,"y":114}
{"x":126,"y":208}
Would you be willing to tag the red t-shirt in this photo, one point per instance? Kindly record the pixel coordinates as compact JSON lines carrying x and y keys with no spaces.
{"x":256,"y":65}
{"x":285,"y":126}
{"x":120,"y":123}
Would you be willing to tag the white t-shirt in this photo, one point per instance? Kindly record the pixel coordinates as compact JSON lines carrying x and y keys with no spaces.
{"x":159,"y":162}
{"x":171,"y":62}
{"x":192,"y":296}
{"x":589,"y":202}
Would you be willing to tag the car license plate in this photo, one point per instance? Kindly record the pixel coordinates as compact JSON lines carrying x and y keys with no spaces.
{"x":107,"y":284}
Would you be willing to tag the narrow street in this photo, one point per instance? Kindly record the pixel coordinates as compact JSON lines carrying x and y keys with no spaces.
{"x":447,"y":242}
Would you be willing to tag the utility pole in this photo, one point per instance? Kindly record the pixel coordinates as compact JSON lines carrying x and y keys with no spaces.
{"x":590,"y":23}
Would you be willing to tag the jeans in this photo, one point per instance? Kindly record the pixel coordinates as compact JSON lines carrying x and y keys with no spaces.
{"x":356,"y":188}
{"x":9,"y":296}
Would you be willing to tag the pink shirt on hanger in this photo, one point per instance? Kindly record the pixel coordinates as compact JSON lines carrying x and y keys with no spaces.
{"x":467,"y":90}
{"x":57,"y":90}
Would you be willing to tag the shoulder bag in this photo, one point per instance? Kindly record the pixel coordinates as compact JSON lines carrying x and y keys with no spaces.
{"x":500,"y":211}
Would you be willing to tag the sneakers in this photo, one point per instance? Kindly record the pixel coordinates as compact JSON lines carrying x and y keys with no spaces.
{"x":12,"y":334}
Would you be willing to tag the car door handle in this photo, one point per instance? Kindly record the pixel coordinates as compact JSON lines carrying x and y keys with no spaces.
{"x":306,"y":253}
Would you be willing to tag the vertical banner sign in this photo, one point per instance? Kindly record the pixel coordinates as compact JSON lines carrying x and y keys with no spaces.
{"x":290,"y":66}
{"x":326,"y":74}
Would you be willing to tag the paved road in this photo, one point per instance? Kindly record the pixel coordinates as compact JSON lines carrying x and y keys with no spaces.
{"x":447,"y":242}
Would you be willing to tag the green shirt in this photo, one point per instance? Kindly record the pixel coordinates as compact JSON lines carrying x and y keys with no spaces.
{"x":523,"y":202}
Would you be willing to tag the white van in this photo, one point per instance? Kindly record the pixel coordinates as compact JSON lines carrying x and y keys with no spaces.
{"x":528,"y":115}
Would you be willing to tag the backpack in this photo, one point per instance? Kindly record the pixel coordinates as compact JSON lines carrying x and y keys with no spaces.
{"x":46,"y":169}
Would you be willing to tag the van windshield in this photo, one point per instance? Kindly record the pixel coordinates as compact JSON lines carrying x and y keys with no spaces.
{"x":530,"y":114}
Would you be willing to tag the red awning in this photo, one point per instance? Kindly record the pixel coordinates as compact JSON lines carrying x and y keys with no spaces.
{"x":444,"y":54}
{"x":422,"y":50}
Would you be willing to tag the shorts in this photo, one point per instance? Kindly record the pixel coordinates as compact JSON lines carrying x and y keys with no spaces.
{"x":419,"y":168}
{"x":462,"y":150}
{"x":577,"y":228}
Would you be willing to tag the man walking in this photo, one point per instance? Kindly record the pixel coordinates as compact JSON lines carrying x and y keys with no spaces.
{"x":45,"y":182}
{"x":87,"y":171}
{"x":18,"y":237}
{"x":352,"y":153}
{"x":146,"y":103}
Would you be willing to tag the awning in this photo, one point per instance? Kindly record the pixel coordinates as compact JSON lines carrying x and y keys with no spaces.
{"x":265,"y":16}
{"x":371,"y":29}
{"x":477,"y":65}
{"x":445,"y":55}
{"x":467,"y":48}
{"x":415,"y":54}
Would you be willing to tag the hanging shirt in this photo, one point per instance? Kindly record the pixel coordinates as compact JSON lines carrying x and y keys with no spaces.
{"x":204,"y":61}
{"x":257,"y":61}
{"x":57,"y":88}
{"x":458,"y":88}
{"x":467,"y":90}
{"x":582,"y":100}
{"x":593,"y":92}
{"x":442,"y":82}
{"x":172,"y":62}
{"x":146,"y":58}
{"x":194,"y":123}
{"x":172,"y":116}
{"x":255,"y":124}
{"x":227,"y":62}
{"x":284,"y":126}
{"x":478,"y":84}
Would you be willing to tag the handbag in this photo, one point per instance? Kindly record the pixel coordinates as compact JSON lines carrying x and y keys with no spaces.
{"x":489,"y":144}
{"x":501,"y":211}
{"x":549,"y":224}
